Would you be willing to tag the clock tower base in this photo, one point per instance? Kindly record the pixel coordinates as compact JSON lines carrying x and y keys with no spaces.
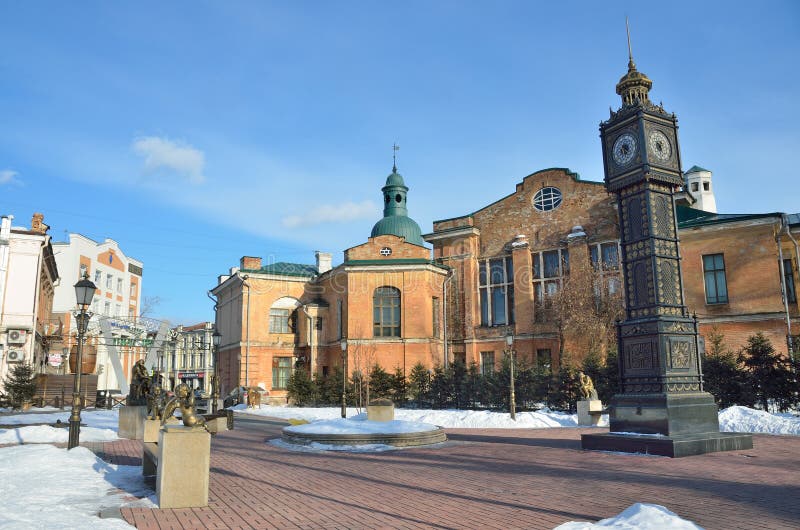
{"x":671,"y":446}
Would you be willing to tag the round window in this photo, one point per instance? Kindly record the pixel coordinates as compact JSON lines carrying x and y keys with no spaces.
{"x":398,"y":198}
{"x":547,"y":198}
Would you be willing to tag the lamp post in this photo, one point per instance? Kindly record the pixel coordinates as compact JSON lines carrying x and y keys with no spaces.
{"x":512,"y":398}
{"x":216,"y":338}
{"x":84,"y":291}
{"x":343,"y":344}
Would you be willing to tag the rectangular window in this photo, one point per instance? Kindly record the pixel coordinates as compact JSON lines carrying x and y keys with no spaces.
{"x":98,"y":277}
{"x":118,"y":310}
{"x":133,"y":290}
{"x":339,"y":319}
{"x":549,"y":269}
{"x":716,"y":284}
{"x":281,"y":370}
{"x":119,"y":285}
{"x":496,"y":291}
{"x":544,"y":359}
{"x":318,"y":323}
{"x":386,"y":312}
{"x":109,"y":282}
{"x":107,"y":309}
{"x":695,"y":186}
{"x":84,"y":270}
{"x":435,"y":317}
{"x":279,"y":321}
{"x":791,"y":294}
{"x":487,"y":362}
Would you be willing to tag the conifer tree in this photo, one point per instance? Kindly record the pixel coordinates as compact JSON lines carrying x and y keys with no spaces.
{"x":769,"y":376}
{"x":21,"y":384}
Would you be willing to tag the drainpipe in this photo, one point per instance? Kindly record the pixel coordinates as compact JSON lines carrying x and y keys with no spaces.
{"x":785,"y":222}
{"x":450,"y":275}
{"x":784,"y":228}
{"x":247,"y":336}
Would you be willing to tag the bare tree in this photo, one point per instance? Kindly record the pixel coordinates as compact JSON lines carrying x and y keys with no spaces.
{"x":362,"y":356}
{"x":585,"y":310}
{"x":149,"y":304}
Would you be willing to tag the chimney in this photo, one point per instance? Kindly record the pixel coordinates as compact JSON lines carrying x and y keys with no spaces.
{"x":324,"y":260}
{"x":37,"y":224}
{"x":250,"y":263}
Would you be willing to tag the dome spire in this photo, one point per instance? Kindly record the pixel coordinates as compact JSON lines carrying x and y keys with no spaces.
{"x":631,"y":64}
{"x":395,"y":149}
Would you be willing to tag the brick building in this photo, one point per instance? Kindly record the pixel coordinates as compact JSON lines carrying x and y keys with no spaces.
{"x":381,"y":305}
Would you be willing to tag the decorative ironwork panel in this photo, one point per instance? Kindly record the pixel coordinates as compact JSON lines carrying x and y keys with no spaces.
{"x":680,"y":354}
{"x":640,"y":356}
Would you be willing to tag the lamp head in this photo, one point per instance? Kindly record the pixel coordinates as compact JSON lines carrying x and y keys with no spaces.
{"x":84,"y":291}
{"x":216,"y":337}
{"x":510,"y":339}
{"x":343,"y":344}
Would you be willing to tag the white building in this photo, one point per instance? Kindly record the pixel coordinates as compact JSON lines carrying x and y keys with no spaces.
{"x":28,"y":274}
{"x":117,"y":301}
{"x":188,"y":357}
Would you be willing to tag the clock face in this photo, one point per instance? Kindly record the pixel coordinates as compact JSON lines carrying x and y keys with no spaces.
{"x":624,"y":149}
{"x":659,"y":145}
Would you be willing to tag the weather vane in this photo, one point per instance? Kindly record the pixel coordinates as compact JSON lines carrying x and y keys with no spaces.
{"x":395,"y":149}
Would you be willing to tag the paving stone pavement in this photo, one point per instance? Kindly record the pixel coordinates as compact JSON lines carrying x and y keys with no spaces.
{"x":484,"y":478}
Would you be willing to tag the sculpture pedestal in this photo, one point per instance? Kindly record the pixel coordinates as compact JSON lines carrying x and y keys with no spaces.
{"x":151,"y":428}
{"x":585,"y":409}
{"x":131,"y":421}
{"x":183,"y":464}
{"x":380,"y":410}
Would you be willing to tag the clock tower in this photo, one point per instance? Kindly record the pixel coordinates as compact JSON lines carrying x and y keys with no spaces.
{"x":661,"y":381}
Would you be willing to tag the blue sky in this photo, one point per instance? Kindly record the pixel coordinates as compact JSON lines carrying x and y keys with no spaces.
{"x":197,"y":132}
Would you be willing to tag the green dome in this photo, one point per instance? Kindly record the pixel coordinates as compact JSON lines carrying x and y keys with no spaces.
{"x":399,"y":225}
{"x":395,"y":179}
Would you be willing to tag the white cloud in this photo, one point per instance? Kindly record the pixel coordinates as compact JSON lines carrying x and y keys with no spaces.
{"x":177,"y":157}
{"x":348,"y":211}
{"x":9,"y":176}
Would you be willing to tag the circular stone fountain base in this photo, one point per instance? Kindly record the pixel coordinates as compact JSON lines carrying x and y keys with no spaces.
{"x":422,"y":435}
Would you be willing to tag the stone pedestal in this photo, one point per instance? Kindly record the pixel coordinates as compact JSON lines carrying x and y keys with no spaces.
{"x":131,"y":421}
{"x":151,"y":428}
{"x":217,"y":424}
{"x":585,"y":409}
{"x":183,"y":464}
{"x":380,"y":410}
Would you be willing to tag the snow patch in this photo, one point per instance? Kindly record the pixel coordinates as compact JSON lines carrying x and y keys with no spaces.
{"x":639,"y":517}
{"x":744,"y":419}
{"x":47,"y":487}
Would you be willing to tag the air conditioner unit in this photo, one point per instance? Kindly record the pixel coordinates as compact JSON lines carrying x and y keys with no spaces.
{"x":17,"y":336}
{"x":15,"y":356}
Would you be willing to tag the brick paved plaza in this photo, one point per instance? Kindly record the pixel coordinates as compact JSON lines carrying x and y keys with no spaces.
{"x":479,"y":479}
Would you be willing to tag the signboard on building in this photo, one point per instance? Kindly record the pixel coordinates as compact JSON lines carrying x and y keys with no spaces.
{"x":55,"y":359}
{"x":191,"y":374}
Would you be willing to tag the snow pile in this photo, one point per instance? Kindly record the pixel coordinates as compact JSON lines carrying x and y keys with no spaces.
{"x":639,"y":517}
{"x":47,"y":487}
{"x":45,"y":434}
{"x":103,"y":419}
{"x":452,"y":419}
{"x":100,"y":426}
{"x":744,"y":419}
{"x":360,"y":425}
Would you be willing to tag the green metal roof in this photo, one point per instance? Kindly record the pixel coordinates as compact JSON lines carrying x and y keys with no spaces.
{"x":399,"y":225}
{"x":395,"y":179}
{"x":690,"y":217}
{"x":695,"y":169}
{"x":283,"y":268}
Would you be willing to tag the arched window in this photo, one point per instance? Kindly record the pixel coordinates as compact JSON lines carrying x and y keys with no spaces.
{"x":386,"y":312}
{"x":283,"y":314}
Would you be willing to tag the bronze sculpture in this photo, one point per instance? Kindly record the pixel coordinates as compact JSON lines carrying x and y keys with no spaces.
{"x":183,"y":400}
{"x":140,"y":384}
{"x":155,"y":403}
{"x":587,"y":390}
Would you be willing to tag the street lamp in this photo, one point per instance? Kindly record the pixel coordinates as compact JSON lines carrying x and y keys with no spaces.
{"x":216,"y":338}
{"x":343,"y":344}
{"x":84,"y":291}
{"x":513,"y":400}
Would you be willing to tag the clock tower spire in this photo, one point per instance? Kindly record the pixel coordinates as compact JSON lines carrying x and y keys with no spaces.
{"x":661,"y":380}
